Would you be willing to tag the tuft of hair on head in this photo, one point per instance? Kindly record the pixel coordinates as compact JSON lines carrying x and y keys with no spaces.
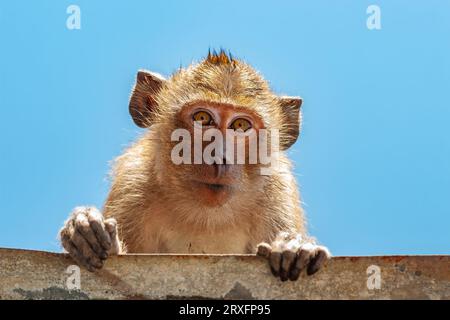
{"x":220,"y":58}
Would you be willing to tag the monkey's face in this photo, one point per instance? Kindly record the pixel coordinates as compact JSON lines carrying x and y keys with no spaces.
{"x":217,"y":152}
{"x":223,"y":94}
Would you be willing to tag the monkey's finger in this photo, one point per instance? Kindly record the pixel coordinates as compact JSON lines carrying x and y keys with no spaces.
{"x":275,"y":262}
{"x":264,"y":250}
{"x":86,"y":251}
{"x":317,"y":261}
{"x":303,"y":257}
{"x":287,"y":261}
{"x":294,"y":273}
{"x":75,"y":253}
{"x":83,"y":226}
{"x":111,"y":227}
{"x":96,"y":221}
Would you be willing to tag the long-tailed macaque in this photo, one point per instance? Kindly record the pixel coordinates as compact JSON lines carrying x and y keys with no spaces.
{"x":158,"y":206}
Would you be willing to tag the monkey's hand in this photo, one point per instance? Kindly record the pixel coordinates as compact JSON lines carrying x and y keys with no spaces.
{"x":89,"y":238}
{"x":289,"y":255}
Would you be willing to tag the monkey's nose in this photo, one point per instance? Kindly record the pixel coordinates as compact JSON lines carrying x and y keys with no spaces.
{"x":221,"y":169}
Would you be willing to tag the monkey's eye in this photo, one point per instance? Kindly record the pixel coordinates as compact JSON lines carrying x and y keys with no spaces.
{"x":203,"y":117}
{"x":242,"y":124}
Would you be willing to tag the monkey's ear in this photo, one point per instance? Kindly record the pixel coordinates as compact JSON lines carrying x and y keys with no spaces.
{"x":142,"y":101}
{"x":290,"y":107}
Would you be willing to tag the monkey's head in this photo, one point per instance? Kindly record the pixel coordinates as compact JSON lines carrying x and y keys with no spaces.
{"x":220,"y":93}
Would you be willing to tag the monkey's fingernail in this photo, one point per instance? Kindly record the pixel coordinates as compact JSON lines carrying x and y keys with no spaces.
{"x":264,"y":250}
{"x":90,"y":268}
{"x":283,"y":275}
{"x":95,"y":263}
{"x":274,"y":272}
{"x":312,"y":268}
{"x":310,"y":272}
{"x":294,"y":274}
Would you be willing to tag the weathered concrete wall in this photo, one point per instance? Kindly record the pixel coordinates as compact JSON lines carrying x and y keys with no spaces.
{"x":28,"y":274}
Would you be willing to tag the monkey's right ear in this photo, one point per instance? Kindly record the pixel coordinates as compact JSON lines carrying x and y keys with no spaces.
{"x":143,"y":97}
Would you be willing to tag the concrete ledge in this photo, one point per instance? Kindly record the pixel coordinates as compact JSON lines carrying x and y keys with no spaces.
{"x":28,"y":274}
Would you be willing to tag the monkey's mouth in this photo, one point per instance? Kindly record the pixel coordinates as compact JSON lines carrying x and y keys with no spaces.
{"x":215,"y":187}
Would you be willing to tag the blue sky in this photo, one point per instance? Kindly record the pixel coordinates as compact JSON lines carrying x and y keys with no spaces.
{"x":373,"y":160}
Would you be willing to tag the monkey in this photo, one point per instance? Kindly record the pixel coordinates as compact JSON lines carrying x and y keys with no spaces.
{"x":157,"y":206}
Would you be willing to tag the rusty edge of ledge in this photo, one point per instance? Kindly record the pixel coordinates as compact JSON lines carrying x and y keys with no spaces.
{"x":29,"y":274}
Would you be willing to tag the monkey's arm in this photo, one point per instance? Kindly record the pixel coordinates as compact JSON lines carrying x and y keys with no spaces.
{"x":292,"y":250}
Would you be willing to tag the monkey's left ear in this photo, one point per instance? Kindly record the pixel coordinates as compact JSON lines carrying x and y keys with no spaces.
{"x":143,"y":97}
{"x":289,"y":131}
